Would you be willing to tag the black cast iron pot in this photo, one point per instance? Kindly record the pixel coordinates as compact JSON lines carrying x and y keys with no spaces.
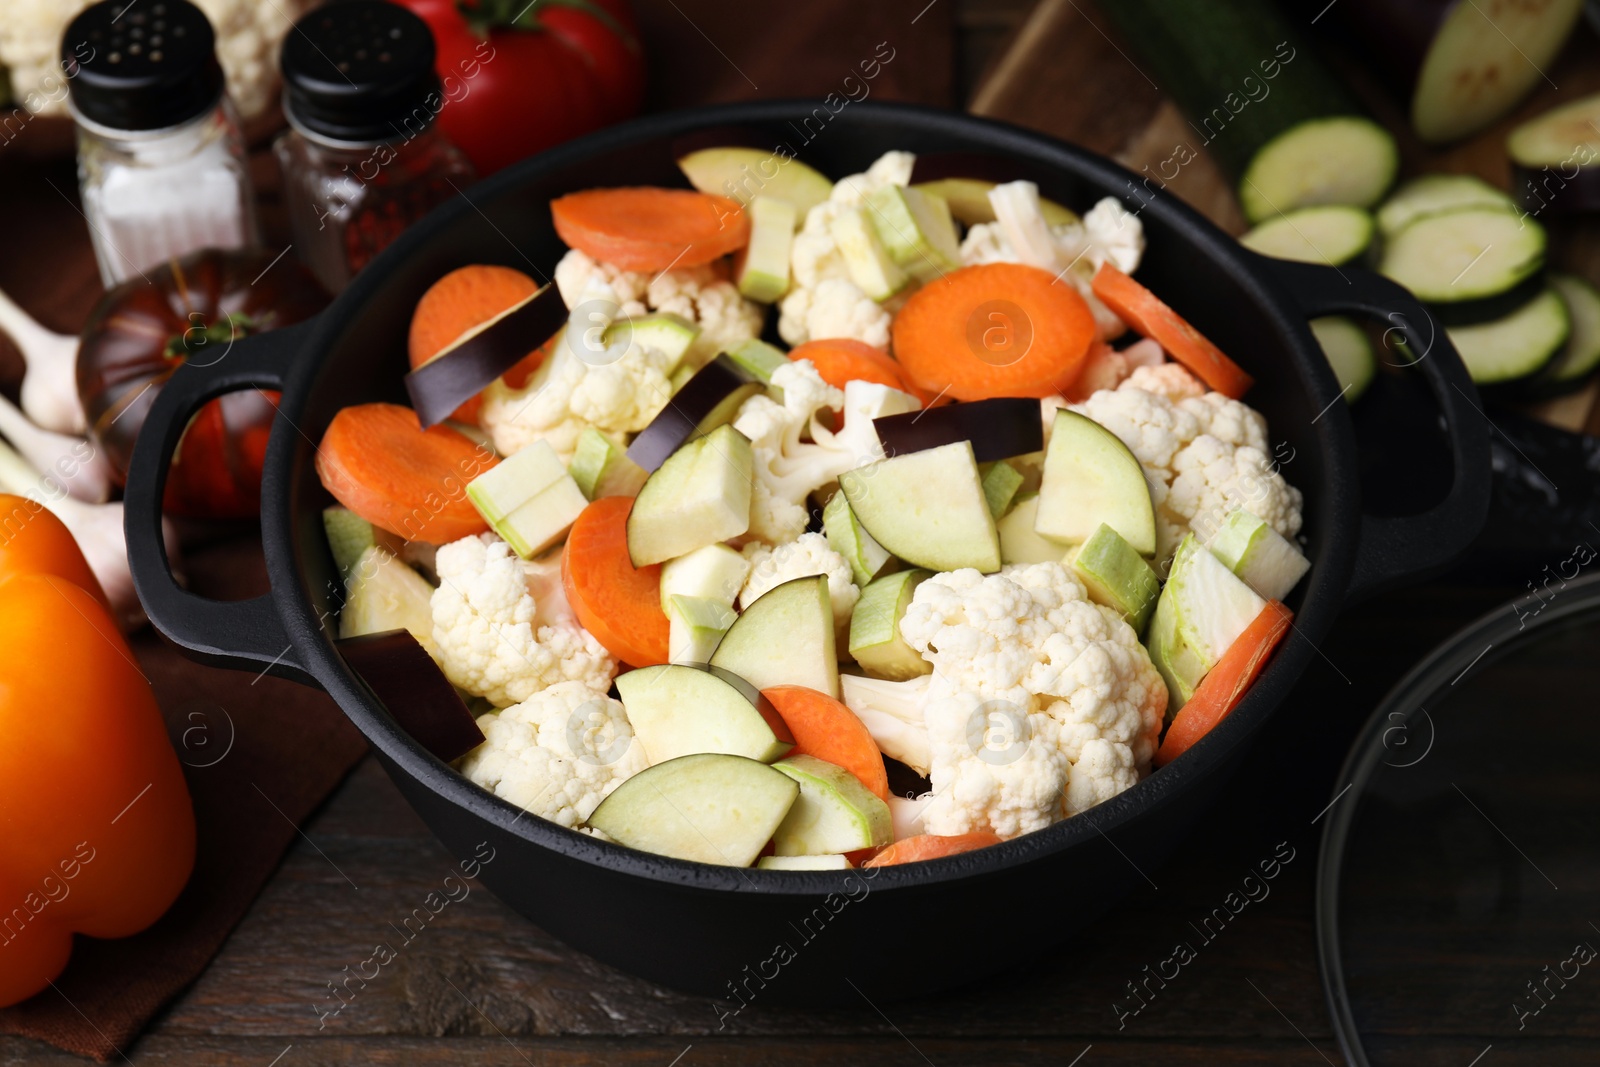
{"x":809,"y":936}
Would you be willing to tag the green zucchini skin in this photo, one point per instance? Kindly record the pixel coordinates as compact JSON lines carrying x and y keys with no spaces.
{"x":1239,"y":70}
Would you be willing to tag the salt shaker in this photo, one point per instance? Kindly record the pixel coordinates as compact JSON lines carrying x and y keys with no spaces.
{"x":161,"y":160}
{"x":362,"y":159}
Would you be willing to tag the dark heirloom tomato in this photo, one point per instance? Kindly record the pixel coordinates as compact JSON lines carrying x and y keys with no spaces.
{"x":191,"y":309}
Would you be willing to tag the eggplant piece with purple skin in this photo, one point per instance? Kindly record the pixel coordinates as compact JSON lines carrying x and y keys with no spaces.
{"x":998,"y":428}
{"x":706,"y":401}
{"x":416,"y":693}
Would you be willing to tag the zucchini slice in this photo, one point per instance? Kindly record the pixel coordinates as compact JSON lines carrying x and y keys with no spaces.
{"x":1555,"y":158}
{"x":1517,"y":346}
{"x":1581,"y":354}
{"x":1349,"y":352}
{"x":1347,"y":159}
{"x":1333,"y":234}
{"x":1435,"y":194}
{"x":1465,"y":255}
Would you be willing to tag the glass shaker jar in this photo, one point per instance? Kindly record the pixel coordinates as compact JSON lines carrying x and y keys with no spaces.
{"x":362,"y":159}
{"x":161,"y":161}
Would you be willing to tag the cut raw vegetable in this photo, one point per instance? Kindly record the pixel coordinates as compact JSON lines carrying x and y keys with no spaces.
{"x":382,"y":593}
{"x":998,"y":428}
{"x":379,"y":462}
{"x":1343,"y":160}
{"x":757,"y":359}
{"x":695,"y":627}
{"x":661,"y":331}
{"x":1000,"y":484}
{"x":932,"y":847}
{"x":968,"y":199}
{"x":1516,"y":346}
{"x":1332,"y":234}
{"x":833,"y":862}
{"x":1116,"y":576}
{"x":543,"y":520}
{"x":699,"y":496}
{"x":1267,"y":561}
{"x":993,"y":330}
{"x":618,"y":603}
{"x":1262,"y":102}
{"x":459,"y":302}
{"x":834,"y":813}
{"x":762,"y":267}
{"x":1349,"y":353}
{"x":416,"y":694}
{"x":1141,"y":309}
{"x":1467,"y":254}
{"x":870,"y":265}
{"x":458,"y":373}
{"x":846,"y":536}
{"x":715,"y":571}
{"x":1435,"y":194}
{"x":824,"y":728}
{"x":1227,"y":682}
{"x":745,"y":173}
{"x":875,"y":641}
{"x":1203,"y":609}
{"x":709,"y":399}
{"x":349,"y":535}
{"x":1020,"y":542}
{"x":785,"y":638}
{"x":1090,"y":478}
{"x":1581,"y":354}
{"x":1555,"y":159}
{"x":927,"y":508}
{"x":916,"y":228}
{"x":1462,"y":64}
{"x":601,"y":468}
{"x":649,"y":229}
{"x":513,"y":482}
{"x":677,"y":710}
{"x":706,"y":808}
{"x":841,"y":360}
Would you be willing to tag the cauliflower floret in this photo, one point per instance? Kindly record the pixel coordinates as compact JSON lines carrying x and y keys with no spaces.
{"x":891,"y":168}
{"x":807,"y":554}
{"x":1040,"y":705}
{"x":494,"y":639}
{"x":789,"y":468}
{"x":834,"y":307}
{"x":1203,"y":454}
{"x":558,"y":753}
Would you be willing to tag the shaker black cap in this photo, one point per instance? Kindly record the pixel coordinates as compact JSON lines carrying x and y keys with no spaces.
{"x":360,"y":70}
{"x":141,"y":64}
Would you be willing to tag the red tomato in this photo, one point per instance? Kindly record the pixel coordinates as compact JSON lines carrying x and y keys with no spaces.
{"x":520,"y":76}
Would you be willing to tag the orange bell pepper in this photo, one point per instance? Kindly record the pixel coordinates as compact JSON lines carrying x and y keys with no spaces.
{"x":96,"y":826}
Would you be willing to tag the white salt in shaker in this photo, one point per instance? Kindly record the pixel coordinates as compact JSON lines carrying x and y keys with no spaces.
{"x":161,"y":160}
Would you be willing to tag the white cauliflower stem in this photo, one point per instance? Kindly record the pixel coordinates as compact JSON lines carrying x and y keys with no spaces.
{"x":1203,"y":454}
{"x":1041,"y":704}
{"x":494,"y":639}
{"x":558,"y":754}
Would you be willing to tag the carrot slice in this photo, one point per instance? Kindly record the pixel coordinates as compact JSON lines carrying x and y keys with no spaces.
{"x":463,"y":299}
{"x":997,"y":329}
{"x":842,"y":359}
{"x":932,"y":847}
{"x":825,"y":728}
{"x":1145,"y":312}
{"x":614,"y":600}
{"x":1220,"y":691}
{"x":378,"y":461}
{"x":649,"y":229}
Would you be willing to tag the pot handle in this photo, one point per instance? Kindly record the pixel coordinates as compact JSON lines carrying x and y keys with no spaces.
{"x":1403,"y":549}
{"x":244,"y":634}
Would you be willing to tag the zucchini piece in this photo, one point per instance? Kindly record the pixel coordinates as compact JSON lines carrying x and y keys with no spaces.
{"x":1462,"y":63}
{"x":1333,"y":234}
{"x":1465,"y":255}
{"x":1516,"y":346}
{"x":1349,"y":353}
{"x":1347,"y":159}
{"x":1435,"y":194}
{"x":762,"y":266}
{"x":1555,"y":158}
{"x":1581,"y":354}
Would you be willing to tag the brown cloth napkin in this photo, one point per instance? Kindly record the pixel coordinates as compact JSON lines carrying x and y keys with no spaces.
{"x":261,"y":754}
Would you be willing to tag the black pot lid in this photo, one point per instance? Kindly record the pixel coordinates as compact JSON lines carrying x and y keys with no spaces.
{"x":1458,"y":919}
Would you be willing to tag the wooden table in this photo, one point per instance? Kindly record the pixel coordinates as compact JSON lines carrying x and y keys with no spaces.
{"x":482,"y":986}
